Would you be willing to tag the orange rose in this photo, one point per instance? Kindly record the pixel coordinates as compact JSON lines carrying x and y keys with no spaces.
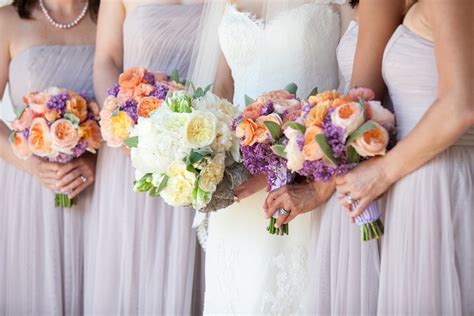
{"x":24,"y":121}
{"x":341,"y":101}
{"x":349,"y":117}
{"x":318,"y":113}
{"x":330,"y":95}
{"x":52,"y":115}
{"x":94,"y":108}
{"x":282,"y":100}
{"x":249,"y":132}
{"x":39,"y":139}
{"x":37,"y":101}
{"x":90,"y":132}
{"x":311,"y":149}
{"x":64,"y":135}
{"x":373,"y":142}
{"x":148,"y":105}
{"x":132,"y":77}
{"x":253,"y":110}
{"x":77,"y":106}
{"x":20,"y":146}
{"x":143,"y":90}
{"x":263,"y":134}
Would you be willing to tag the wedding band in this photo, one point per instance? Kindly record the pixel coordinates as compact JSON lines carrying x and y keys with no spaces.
{"x":83,"y":179}
{"x":284,"y":212}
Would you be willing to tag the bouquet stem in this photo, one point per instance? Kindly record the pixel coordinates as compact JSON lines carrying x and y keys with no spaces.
{"x":283,"y":230}
{"x":63,"y":200}
{"x":371,"y":227}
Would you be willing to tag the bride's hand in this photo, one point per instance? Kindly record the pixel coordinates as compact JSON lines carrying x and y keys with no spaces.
{"x":297,"y":199}
{"x":77,"y":175}
{"x":251,"y":186}
{"x":46,"y":172}
{"x":364,"y":184}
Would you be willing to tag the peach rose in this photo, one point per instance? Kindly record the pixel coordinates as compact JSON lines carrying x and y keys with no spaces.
{"x":132,"y":77}
{"x":37,"y":101}
{"x":364,"y":93}
{"x":318,"y":113}
{"x":64,"y":135}
{"x":330,"y":95}
{"x":77,"y":105}
{"x":110,"y":104}
{"x":344,"y":99}
{"x":253,"y":110}
{"x":39,"y":139}
{"x":293,"y":116}
{"x":349,"y":117}
{"x":24,"y":121}
{"x":142,"y":90}
{"x":124,"y":95}
{"x":381,"y":115}
{"x":93,"y":107}
{"x":263,"y":134}
{"x":20,"y":146}
{"x":249,"y":132}
{"x":90,"y":132}
{"x":293,"y":151}
{"x":160,"y":77}
{"x":311,"y":149}
{"x":373,"y":142}
{"x":148,"y":105}
{"x":52,"y":115}
{"x":282,"y":100}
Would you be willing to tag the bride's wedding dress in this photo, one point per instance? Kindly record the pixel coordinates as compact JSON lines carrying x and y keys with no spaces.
{"x":249,"y":271}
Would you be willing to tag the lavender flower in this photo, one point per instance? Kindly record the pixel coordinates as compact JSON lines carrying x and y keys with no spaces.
{"x":85,"y":96}
{"x":236,"y":121}
{"x":62,"y":158}
{"x":79,"y":150}
{"x":259,"y":158}
{"x":114,"y":91}
{"x":58,"y":102}
{"x":160,"y":92}
{"x":300,"y":141}
{"x":149,"y":78}
{"x":130,"y":107}
{"x":26,"y":132}
{"x":267,"y":109}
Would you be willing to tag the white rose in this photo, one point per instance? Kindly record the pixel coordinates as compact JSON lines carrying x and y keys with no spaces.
{"x":212,"y":174}
{"x":293,"y":151}
{"x":178,"y":191}
{"x":381,"y":115}
{"x":349,"y":117}
{"x":200,"y":129}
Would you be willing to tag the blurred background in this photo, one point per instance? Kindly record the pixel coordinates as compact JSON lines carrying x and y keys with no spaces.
{"x":6,"y":111}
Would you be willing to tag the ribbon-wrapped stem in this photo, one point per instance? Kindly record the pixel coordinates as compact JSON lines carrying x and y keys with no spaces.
{"x":282,"y":177}
{"x":371,"y":227}
{"x":63,"y":200}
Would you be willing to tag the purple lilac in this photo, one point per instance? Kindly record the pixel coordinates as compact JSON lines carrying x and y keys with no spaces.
{"x":76,"y":152}
{"x":26,"y":132}
{"x":130,"y":107}
{"x":149,"y":78}
{"x":267,"y":108}
{"x":259,"y":158}
{"x":160,"y":92}
{"x":236,"y":121}
{"x":335,"y":137}
{"x":114,"y":91}
{"x":79,"y":150}
{"x":85,"y":96}
{"x":58,"y":102}
{"x":62,"y":158}
{"x":300,"y":141}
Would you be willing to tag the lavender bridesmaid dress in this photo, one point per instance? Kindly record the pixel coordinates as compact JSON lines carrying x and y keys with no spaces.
{"x":345,"y":270}
{"x":141,"y":253}
{"x":428,"y":249}
{"x":41,"y":247}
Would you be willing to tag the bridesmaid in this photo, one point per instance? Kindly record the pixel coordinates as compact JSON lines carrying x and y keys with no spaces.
{"x":40,"y":245}
{"x":142,"y":253}
{"x":427,"y":252}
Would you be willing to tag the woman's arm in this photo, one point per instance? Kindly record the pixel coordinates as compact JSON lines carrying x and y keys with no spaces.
{"x":224,"y":83}
{"x":448,"y":118}
{"x":377,"y":22}
{"x":108,"y":59}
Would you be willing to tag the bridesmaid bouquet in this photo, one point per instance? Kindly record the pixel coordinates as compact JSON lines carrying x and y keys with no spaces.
{"x":58,"y":125}
{"x":336,"y":132}
{"x":265,"y":128}
{"x":181,"y":150}
{"x":137,"y":94}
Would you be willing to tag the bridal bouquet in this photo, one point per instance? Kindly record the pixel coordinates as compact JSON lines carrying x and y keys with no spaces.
{"x":334,"y":134}
{"x":58,"y":125}
{"x":265,"y":129}
{"x":180,"y":152}
{"x":137,"y":94}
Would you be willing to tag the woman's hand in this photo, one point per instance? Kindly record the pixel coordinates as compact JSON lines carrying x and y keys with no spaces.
{"x":364,"y":184}
{"x":297,"y":199}
{"x":46,"y":172}
{"x":251,"y":186}
{"x":77,"y":175}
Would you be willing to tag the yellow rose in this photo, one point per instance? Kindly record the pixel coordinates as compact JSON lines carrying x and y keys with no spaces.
{"x":121,"y":125}
{"x":200,"y":129}
{"x":212,"y":174}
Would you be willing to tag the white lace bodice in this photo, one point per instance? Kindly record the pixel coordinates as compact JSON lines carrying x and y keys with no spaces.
{"x":291,"y":47}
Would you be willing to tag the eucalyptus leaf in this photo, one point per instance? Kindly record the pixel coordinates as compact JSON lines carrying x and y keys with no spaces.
{"x":292,"y":88}
{"x":326,"y":149}
{"x":175,"y":76}
{"x":279,"y":150}
{"x":274,"y":129}
{"x":295,"y":126}
{"x":19,"y":111}
{"x":352,"y":155}
{"x":131,"y":142}
{"x":364,"y":107}
{"x":11,"y":138}
{"x":367,"y":126}
{"x":72,"y":118}
{"x":191,"y":169}
{"x":248,"y":100}
{"x":313,"y":92}
{"x":163,"y":184}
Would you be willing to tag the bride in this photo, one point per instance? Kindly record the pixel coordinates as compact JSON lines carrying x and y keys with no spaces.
{"x":263,"y":46}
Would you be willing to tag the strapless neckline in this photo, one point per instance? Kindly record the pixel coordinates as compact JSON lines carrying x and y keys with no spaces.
{"x":52,"y":46}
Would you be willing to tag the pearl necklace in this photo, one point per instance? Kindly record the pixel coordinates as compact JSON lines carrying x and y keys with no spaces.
{"x":63,"y":26}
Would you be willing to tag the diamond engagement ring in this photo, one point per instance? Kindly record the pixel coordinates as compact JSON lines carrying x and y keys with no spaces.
{"x":284,"y":212}
{"x":83,"y":179}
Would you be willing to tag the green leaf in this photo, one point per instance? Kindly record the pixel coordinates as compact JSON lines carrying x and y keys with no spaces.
{"x":292,"y":88}
{"x":295,"y":126}
{"x":131,"y":142}
{"x":198,"y":93}
{"x":162,"y":185}
{"x":144,"y":184}
{"x":274,"y":129}
{"x":19,"y":111}
{"x":279,"y":150}
{"x":72,"y":118}
{"x":367,"y":126}
{"x":326,"y":149}
{"x":364,"y":108}
{"x":313,"y":92}
{"x":207,"y":89}
{"x":248,"y":100}
{"x":175,"y":76}
{"x":352,"y":155}
{"x":191,"y":169}
{"x":11,"y":138}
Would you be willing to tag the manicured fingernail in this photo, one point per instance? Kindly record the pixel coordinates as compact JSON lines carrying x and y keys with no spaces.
{"x":277,"y":225}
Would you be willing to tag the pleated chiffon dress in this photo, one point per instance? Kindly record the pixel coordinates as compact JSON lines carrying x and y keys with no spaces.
{"x":428,"y":248}
{"x":141,"y":253}
{"x":41,"y":246}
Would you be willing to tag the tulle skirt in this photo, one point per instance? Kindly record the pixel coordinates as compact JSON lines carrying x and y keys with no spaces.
{"x":344,"y":270}
{"x":140,"y":252}
{"x":428,"y":249}
{"x":41,"y":248}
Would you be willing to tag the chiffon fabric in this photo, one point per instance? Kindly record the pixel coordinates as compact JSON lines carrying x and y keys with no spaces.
{"x":41,"y":246}
{"x":141,"y":253}
{"x":427,"y":252}
{"x":344,"y":270}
